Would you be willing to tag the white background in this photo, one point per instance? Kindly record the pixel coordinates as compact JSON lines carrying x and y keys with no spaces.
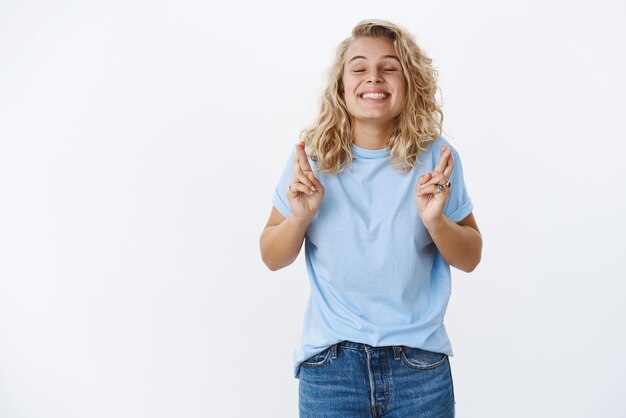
{"x":141,"y":142}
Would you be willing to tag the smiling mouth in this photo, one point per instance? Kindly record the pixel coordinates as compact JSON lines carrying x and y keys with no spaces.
{"x":374,"y":96}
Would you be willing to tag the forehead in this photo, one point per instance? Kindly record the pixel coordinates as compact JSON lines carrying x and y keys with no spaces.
{"x":370,"y":48}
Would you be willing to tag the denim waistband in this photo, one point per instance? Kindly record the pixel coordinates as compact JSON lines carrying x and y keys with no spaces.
{"x":368,"y":348}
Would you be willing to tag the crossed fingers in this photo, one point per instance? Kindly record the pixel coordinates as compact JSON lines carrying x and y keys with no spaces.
{"x":301,"y":172}
{"x":439,"y":179}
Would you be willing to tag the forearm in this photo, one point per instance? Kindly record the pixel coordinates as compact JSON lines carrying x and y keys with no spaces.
{"x":459,"y":245}
{"x":281,"y":244}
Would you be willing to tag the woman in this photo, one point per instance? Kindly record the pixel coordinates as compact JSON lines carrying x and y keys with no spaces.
{"x":381,"y":204}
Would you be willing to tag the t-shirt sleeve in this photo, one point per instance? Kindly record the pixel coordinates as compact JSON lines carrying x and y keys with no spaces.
{"x":459,"y":204}
{"x":279,"y":199}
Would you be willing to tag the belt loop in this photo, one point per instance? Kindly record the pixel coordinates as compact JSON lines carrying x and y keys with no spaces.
{"x":396,"y":351}
{"x":333,"y":351}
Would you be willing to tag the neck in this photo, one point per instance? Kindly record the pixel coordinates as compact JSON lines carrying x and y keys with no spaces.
{"x":372,"y":136}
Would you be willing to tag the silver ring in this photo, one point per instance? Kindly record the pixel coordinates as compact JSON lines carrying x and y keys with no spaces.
{"x":290,"y":188}
{"x":442,"y":187}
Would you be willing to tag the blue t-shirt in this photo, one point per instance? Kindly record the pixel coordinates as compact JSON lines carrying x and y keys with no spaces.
{"x":376,"y":276}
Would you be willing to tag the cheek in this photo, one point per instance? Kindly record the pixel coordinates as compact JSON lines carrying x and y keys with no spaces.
{"x":348,"y":86}
{"x":402,"y":95}
{"x":402,"y":85}
{"x":348,"y":92}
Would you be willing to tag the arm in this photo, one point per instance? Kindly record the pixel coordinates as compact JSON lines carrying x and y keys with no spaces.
{"x":281,"y":240}
{"x":459,"y":244}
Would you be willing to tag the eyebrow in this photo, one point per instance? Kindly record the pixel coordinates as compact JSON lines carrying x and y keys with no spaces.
{"x":362,"y":57}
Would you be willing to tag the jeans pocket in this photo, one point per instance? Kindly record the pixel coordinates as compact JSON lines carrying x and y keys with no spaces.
{"x":419,"y":359}
{"x":319,"y":359}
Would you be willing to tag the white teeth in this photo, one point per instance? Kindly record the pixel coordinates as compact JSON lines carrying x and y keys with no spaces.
{"x":376,"y":96}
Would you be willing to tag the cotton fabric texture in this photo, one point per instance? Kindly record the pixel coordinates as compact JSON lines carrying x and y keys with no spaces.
{"x":376,"y":276}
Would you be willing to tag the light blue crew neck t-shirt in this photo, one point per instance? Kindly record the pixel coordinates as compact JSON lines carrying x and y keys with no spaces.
{"x":376,"y":276}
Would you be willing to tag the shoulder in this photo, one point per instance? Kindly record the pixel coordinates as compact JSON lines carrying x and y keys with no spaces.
{"x":436,"y":145}
{"x":433,"y":151}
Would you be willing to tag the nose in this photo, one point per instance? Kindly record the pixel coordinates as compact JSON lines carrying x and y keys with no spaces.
{"x":374,"y":76}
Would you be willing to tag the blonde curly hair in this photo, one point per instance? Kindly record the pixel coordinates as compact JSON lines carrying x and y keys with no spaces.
{"x":328,"y":141}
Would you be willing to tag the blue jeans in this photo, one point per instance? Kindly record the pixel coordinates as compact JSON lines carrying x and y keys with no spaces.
{"x":351,"y":379}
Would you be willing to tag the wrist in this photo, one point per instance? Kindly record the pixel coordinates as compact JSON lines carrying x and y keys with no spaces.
{"x":435,"y":225}
{"x":298,"y":222}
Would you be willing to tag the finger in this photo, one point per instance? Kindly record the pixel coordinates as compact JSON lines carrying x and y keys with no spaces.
{"x":447,"y":172}
{"x":424,"y":179}
{"x":297,"y":170}
{"x":437,"y":178}
{"x":297,"y":155}
{"x":443,"y":160}
{"x":304,"y":161}
{"x":427,"y":190}
{"x":297,"y":188}
{"x":303,"y":178}
{"x":296,"y":164}
{"x":430,"y":189}
{"x":316,"y":183}
{"x":303,"y":165}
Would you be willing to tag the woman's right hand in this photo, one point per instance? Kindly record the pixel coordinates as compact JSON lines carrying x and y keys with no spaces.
{"x":305,"y":191}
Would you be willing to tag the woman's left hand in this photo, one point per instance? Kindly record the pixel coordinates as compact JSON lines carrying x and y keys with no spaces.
{"x":430,"y":201}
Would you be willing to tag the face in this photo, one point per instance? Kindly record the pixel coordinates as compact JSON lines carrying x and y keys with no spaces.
{"x":374,"y":86}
